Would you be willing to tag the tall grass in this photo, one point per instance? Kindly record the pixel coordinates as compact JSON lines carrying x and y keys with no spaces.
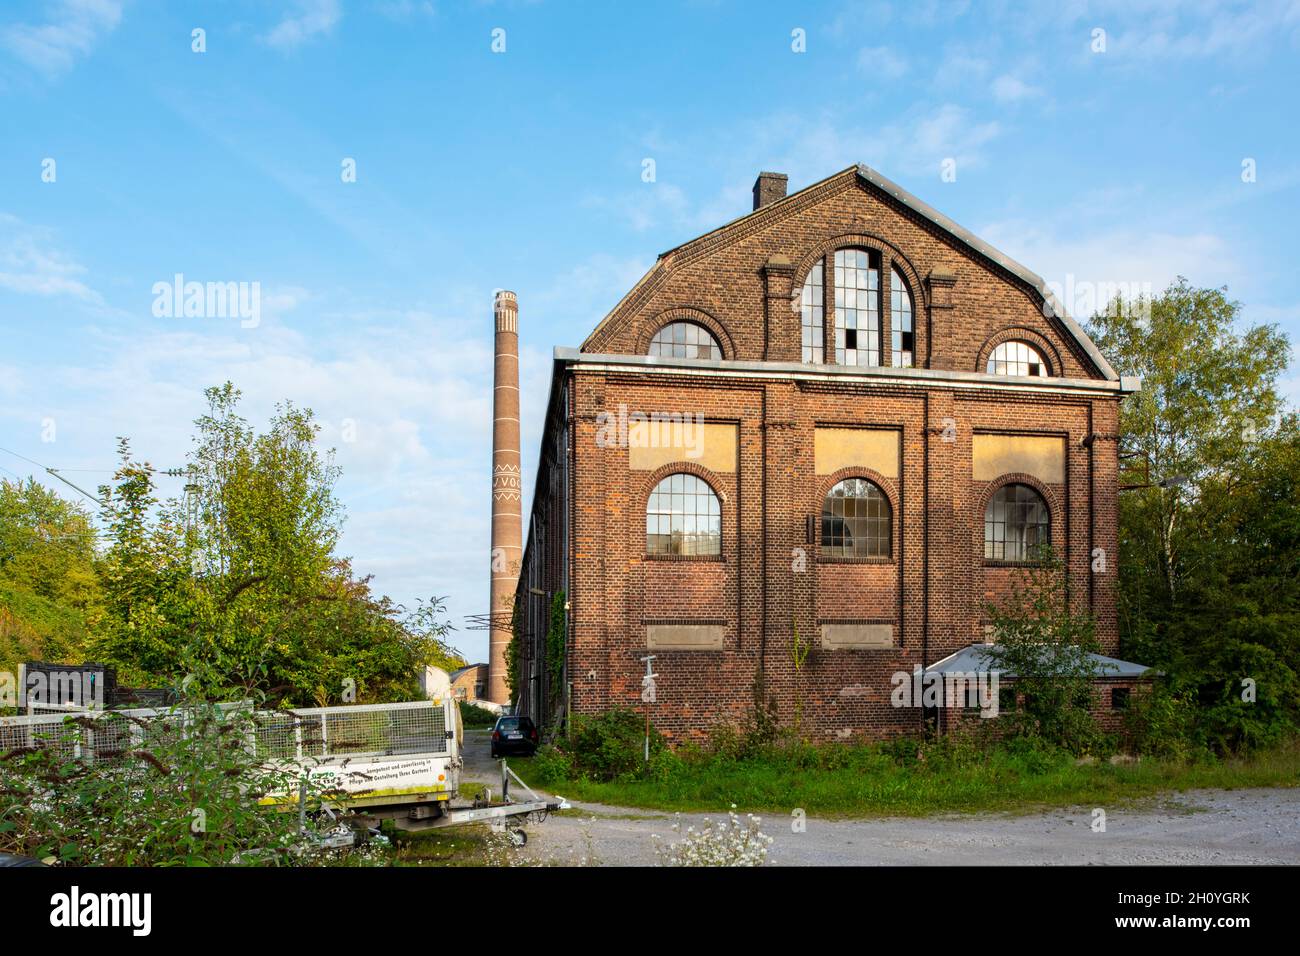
{"x":909,"y":779}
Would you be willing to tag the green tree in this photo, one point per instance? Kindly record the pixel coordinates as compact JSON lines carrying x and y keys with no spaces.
{"x":1208,"y":392}
{"x":151,"y":604}
{"x":1209,"y":586}
{"x":1230,"y":642}
{"x":49,"y":593}
{"x":239,"y":578}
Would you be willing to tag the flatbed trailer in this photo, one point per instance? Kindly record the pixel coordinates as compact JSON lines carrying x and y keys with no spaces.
{"x":362,"y":764}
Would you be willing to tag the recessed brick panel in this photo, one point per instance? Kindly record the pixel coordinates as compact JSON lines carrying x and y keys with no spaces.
{"x":685,"y":637}
{"x":856,"y":636}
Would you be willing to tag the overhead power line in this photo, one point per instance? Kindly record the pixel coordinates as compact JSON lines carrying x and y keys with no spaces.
{"x":54,"y":472}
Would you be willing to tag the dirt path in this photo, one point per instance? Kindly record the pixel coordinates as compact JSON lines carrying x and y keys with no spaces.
{"x":1198,"y":827}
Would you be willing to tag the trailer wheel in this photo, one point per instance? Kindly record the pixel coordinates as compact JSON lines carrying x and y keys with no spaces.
{"x":518,"y":837}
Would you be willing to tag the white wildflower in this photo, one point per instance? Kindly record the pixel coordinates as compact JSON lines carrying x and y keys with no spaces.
{"x":733,"y":843}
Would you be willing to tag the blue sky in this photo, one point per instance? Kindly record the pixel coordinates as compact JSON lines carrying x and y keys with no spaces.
{"x":522,"y":169}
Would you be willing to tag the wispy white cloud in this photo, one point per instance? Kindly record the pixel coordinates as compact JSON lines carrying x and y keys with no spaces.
{"x":584,"y":293}
{"x":1179,"y":32}
{"x":645,"y":206}
{"x":951,"y":132}
{"x":961,"y":66}
{"x":808,"y":148}
{"x":308,"y":20}
{"x":71,"y":31}
{"x":405,"y":9}
{"x":31,"y":264}
{"x":882,"y":61}
{"x":1009,"y":88}
{"x":856,"y":18}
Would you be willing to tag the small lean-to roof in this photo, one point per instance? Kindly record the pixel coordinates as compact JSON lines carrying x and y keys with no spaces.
{"x":978,"y":658}
{"x":958,"y":234}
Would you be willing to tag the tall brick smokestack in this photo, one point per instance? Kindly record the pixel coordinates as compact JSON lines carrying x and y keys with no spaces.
{"x":507,"y":492}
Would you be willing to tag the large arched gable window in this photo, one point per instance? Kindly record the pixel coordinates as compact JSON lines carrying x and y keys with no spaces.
{"x":1016,"y":358}
{"x":683,"y":516}
{"x":685,"y":340}
{"x":902,"y":333}
{"x":1017,"y":524}
{"x":857,"y":521}
{"x":852,"y":274}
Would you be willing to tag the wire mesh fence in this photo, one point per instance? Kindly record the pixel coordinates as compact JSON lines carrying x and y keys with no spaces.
{"x":312,"y":734}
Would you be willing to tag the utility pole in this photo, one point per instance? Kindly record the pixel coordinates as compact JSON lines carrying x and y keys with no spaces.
{"x":648,"y":697}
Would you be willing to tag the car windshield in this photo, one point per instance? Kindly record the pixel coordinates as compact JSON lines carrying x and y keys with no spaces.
{"x":508,"y":723}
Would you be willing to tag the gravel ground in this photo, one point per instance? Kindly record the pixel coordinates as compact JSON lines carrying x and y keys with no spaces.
{"x":1196,"y":827}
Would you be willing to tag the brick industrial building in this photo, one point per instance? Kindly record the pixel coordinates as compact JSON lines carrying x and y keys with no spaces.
{"x":840,"y":414}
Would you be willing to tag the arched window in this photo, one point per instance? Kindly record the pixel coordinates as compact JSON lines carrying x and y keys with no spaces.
{"x":857,"y":307}
{"x":685,"y":340}
{"x":900,"y":319}
{"x":1017,"y":525}
{"x":1016,"y":358}
{"x":682,"y":516}
{"x":812,"y":308}
{"x":856,"y":521}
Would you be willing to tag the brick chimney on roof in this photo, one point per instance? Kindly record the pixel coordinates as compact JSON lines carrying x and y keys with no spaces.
{"x":768,"y":188}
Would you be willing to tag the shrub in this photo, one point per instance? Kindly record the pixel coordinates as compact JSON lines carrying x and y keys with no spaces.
{"x":472,"y":715}
{"x":183,"y":790}
{"x":904,"y":751}
{"x":664,"y":765}
{"x":1046,"y":645}
{"x":727,"y":743}
{"x":610,"y":746}
{"x":1160,"y":723}
{"x":552,"y":765}
{"x":1033,"y":755}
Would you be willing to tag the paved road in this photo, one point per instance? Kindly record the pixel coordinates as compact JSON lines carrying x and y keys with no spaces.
{"x":1197,"y":827}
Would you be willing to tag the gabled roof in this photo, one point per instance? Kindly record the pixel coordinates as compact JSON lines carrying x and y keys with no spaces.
{"x":952,"y":230}
{"x":468,"y":667}
{"x":977,"y":658}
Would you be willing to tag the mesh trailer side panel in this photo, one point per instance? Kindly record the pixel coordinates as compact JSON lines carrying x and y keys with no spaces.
{"x":313,"y":734}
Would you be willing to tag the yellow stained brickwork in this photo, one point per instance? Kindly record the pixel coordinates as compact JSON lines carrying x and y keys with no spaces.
{"x":874,"y":448}
{"x":1042,"y":456}
{"x":651,"y":445}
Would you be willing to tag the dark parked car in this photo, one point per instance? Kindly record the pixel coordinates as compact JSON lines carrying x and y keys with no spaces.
{"x":514,"y":735}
